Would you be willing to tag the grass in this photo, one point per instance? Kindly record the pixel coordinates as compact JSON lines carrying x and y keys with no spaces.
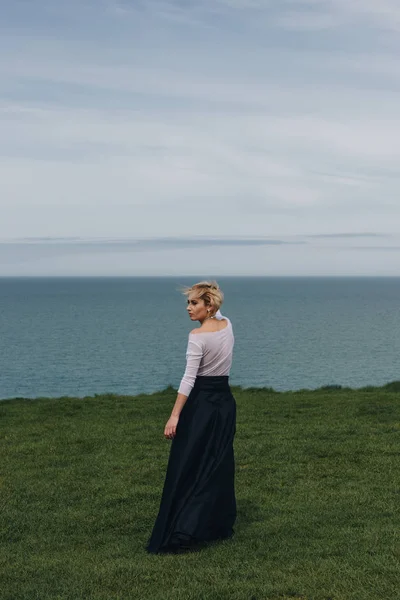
{"x":317,"y":485}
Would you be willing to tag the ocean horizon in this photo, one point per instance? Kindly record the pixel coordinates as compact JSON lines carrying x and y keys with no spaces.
{"x":86,"y":335}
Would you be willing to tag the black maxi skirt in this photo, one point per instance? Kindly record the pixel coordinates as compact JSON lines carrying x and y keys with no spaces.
{"x":198,"y":501}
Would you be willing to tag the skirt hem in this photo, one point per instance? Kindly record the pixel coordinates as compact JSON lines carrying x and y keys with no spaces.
{"x":182,"y":542}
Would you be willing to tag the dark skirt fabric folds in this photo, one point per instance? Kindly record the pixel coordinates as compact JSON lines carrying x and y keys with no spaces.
{"x":198,"y":503}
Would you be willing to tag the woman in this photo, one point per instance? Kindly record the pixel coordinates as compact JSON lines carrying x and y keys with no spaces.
{"x":198,"y":501}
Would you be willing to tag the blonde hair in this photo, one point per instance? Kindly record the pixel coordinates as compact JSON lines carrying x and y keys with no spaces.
{"x":209,"y":291}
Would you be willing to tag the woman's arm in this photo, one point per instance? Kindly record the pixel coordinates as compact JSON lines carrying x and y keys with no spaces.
{"x":194,"y":355}
{"x":179,"y":404}
{"x":170,"y":427}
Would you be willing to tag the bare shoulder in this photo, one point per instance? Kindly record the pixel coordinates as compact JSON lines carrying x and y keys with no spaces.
{"x":211,"y":328}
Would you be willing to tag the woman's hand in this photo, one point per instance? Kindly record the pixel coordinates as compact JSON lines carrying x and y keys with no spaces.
{"x":170,"y":428}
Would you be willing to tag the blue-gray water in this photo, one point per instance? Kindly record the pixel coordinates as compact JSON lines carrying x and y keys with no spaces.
{"x":81,"y":336}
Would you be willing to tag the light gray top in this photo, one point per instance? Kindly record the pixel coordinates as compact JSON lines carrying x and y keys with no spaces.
{"x":208,"y":353}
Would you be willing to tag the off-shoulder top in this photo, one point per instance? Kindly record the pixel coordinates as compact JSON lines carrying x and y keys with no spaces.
{"x":208,"y":353}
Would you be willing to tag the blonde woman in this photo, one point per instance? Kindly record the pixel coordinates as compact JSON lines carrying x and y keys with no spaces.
{"x":198,"y":502}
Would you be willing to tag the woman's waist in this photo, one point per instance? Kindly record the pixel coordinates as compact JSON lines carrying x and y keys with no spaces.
{"x":212,"y":382}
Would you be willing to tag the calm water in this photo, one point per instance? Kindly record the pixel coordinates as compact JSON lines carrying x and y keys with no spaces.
{"x":73,"y":336}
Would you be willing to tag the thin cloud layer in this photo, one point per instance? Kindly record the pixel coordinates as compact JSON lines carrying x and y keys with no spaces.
{"x":164,"y":119}
{"x":141,"y":243}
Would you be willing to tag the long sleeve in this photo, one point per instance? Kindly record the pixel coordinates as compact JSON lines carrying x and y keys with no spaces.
{"x":194,"y":355}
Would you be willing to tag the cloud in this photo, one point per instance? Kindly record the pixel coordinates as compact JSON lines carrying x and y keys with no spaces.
{"x":333,"y":14}
{"x":200,"y":255}
{"x":233,"y":118}
{"x":301,"y":15}
{"x":346,"y":235}
{"x":138,"y":245}
{"x":385,"y":13}
{"x":33,"y":255}
{"x":378,"y":248}
{"x":258,"y":164}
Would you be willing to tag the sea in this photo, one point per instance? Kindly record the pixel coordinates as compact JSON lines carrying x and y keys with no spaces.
{"x":80,"y":336}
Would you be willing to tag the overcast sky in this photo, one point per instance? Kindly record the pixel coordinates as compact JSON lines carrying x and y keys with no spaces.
{"x":200,"y":137}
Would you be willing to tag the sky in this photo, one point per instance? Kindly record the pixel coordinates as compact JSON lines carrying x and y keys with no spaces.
{"x":212,"y":137}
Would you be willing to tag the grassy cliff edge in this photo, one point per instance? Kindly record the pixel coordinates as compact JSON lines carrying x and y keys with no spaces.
{"x":317,"y":484}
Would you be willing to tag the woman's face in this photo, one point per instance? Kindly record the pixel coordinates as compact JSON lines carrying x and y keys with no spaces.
{"x":196,"y":308}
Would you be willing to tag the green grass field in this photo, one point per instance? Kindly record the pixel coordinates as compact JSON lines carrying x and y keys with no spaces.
{"x":317,"y":486}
